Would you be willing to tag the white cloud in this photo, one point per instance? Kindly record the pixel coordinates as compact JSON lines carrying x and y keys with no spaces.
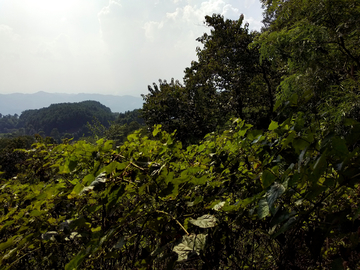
{"x":104,"y":46}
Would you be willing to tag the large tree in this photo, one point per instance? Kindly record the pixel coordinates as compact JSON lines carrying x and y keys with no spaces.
{"x":226,"y":81}
{"x":176,"y":108}
{"x":316,"y":44}
{"x":228,"y":65}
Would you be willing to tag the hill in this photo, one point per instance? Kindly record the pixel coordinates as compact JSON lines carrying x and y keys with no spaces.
{"x":58,"y":120}
{"x":17,"y":103}
{"x":66,"y":117}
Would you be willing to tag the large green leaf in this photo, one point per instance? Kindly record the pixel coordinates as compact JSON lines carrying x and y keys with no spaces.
{"x":267,"y":178}
{"x":76,"y":261}
{"x":263,"y":208}
{"x":205,"y":221}
{"x":193,"y":243}
{"x":275,"y":192}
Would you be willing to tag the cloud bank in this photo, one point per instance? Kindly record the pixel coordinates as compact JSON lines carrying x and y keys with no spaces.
{"x":109,"y":47}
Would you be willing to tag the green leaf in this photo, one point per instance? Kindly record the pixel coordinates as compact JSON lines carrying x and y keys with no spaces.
{"x":286,"y":226}
{"x":120,"y":243}
{"x":339,"y":147}
{"x":78,"y":188}
{"x":273,"y":125}
{"x":200,"y":181}
{"x":7,"y":244}
{"x":300,"y":144}
{"x":100,"y":142}
{"x":267,"y":178}
{"x":275,"y":192}
{"x":192,"y":243}
{"x":36,"y":213}
{"x":263,"y":208}
{"x":108,"y":145}
{"x":72,"y":164}
{"x":205,"y":221}
{"x":156,"y":130}
{"x":88,"y":179}
{"x":281,"y":216}
{"x":218,"y":206}
{"x":76,"y":261}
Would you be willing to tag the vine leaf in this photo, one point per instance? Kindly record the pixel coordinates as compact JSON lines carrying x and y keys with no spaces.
{"x":267,"y":178}
{"x":99,"y":181}
{"x":263,"y":209}
{"x":273,"y":125}
{"x":275,"y":192}
{"x":190,"y":244}
{"x":218,"y":206}
{"x":205,"y":221}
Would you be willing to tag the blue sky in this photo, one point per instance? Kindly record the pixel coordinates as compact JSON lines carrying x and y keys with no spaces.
{"x":106,"y":46}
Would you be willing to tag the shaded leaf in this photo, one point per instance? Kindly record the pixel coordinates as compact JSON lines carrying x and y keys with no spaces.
{"x":275,"y":191}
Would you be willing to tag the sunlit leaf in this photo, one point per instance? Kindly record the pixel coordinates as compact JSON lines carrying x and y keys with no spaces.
{"x":205,"y":221}
{"x":273,"y":125}
{"x":192,"y":243}
{"x":263,"y":208}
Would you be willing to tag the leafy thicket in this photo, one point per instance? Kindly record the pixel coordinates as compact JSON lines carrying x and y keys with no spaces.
{"x":316,"y":45}
{"x":10,"y":158}
{"x":125,"y":124}
{"x":283,"y":197}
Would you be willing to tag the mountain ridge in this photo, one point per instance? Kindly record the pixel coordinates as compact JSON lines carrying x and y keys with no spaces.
{"x":16,"y":103}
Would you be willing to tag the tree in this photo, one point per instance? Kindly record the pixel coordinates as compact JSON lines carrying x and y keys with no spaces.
{"x":315,"y":44}
{"x":227,"y":80}
{"x":227,"y":65}
{"x":176,"y":108}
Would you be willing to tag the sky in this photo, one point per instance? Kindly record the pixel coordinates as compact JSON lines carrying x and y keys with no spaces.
{"x":112,"y":47}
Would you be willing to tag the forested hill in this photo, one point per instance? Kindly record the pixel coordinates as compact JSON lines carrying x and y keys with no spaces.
{"x":58,"y":119}
{"x":17,"y":103}
{"x":66,"y":117}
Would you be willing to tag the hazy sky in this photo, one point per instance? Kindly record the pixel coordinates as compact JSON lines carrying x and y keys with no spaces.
{"x":104,"y":46}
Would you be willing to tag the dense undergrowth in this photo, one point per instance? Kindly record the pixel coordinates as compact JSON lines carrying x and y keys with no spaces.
{"x":285,"y":198}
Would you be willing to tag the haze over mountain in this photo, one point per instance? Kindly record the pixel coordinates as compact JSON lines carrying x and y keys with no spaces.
{"x":17,"y":103}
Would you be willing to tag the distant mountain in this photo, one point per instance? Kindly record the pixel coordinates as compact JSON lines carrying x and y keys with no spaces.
{"x":17,"y":103}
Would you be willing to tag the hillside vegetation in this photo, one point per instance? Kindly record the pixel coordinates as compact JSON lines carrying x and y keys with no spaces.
{"x":58,"y":120}
{"x":253,"y":162}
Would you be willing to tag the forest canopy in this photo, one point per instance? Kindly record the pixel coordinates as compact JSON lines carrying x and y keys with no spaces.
{"x":252,"y":163}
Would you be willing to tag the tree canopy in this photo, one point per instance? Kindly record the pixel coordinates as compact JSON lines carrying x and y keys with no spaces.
{"x":228,"y":80}
{"x":315,"y":43}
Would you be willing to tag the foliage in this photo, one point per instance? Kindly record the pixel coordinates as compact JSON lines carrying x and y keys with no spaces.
{"x":172,"y":106}
{"x":227,"y":80}
{"x":315,"y":44}
{"x":10,"y":157}
{"x":287,"y":198}
{"x":130,"y":116}
{"x":229,"y":71}
{"x":8,"y":123}
{"x":118,"y":131}
{"x":65,"y":118}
